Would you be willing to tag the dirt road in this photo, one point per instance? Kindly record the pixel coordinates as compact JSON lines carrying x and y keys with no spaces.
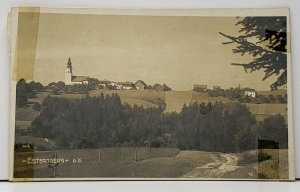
{"x":222,"y":163}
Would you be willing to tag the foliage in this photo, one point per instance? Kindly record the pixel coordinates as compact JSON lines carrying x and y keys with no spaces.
{"x":160,"y":87}
{"x":36,"y":106}
{"x":94,"y":122}
{"x":237,"y":94}
{"x":268,"y":49}
{"x":275,"y":129}
{"x":25,"y":90}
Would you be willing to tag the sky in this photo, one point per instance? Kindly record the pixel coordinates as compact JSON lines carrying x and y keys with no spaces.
{"x":179,"y":51}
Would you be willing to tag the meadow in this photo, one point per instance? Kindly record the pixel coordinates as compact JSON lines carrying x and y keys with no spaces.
{"x":163,"y":163}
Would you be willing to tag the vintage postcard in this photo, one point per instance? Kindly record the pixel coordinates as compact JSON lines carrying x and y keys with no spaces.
{"x":150,"y":94}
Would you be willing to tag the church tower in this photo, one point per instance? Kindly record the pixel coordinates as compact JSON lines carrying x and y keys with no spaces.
{"x":68,"y":80}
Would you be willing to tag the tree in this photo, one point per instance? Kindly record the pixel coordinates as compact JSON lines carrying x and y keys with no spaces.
{"x":269,"y":49}
{"x":275,"y":129}
{"x":21,"y":93}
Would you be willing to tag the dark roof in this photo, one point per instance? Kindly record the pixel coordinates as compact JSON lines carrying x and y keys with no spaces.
{"x":104,"y":82}
{"x":125,"y":83}
{"x":248,"y":89}
{"x":79,"y":78}
{"x":200,"y":86}
{"x":142,"y":82}
{"x":69,"y":62}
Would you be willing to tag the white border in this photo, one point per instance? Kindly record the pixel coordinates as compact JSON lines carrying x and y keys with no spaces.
{"x":146,"y":4}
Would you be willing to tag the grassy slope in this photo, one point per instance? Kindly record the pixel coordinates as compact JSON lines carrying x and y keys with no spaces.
{"x":176,"y":99}
{"x":146,"y":98}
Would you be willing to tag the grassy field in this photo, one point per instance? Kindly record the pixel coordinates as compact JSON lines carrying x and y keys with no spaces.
{"x":176,"y":99}
{"x":104,"y":162}
{"x":163,"y":163}
{"x":263,"y":111}
{"x":146,"y":98}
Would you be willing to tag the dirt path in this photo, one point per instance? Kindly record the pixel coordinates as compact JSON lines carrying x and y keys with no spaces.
{"x":222,"y":164}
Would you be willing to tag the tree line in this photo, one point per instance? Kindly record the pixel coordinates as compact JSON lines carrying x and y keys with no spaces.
{"x":25,"y":90}
{"x":237,"y":94}
{"x":60,"y":87}
{"x":103,"y":121}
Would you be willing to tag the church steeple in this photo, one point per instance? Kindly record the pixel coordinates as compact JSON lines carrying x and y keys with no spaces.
{"x":69,"y":64}
{"x":68,"y":74}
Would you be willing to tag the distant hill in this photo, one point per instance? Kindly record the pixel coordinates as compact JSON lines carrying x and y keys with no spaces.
{"x":274,"y":92}
{"x":176,"y":99}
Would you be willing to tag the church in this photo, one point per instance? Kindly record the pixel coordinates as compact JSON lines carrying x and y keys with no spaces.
{"x":72,"y":79}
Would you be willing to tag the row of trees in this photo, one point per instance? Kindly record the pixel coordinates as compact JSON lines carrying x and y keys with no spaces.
{"x":61,"y":87}
{"x":94,"y":122}
{"x":264,"y":99}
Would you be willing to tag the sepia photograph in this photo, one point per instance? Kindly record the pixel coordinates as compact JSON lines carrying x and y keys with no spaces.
{"x":150,"y":94}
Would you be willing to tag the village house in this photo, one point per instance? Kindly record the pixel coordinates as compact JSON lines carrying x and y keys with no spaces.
{"x":125,"y":85}
{"x":216,"y":87}
{"x":103,"y":83}
{"x":114,"y":85}
{"x":140,"y":85}
{"x":71,"y":79}
{"x":249,"y":92}
{"x":200,"y":88}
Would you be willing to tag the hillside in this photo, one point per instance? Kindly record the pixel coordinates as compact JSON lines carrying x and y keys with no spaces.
{"x":176,"y":99}
{"x":274,"y":92}
{"x":173,"y":100}
{"x":262,"y":111}
{"x":146,"y":98}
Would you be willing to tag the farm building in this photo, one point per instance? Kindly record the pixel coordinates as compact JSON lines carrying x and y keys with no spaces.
{"x":216,"y":87}
{"x":140,"y":85}
{"x":103,"y":83}
{"x":115,"y":85}
{"x":79,"y":80}
{"x":70,"y":79}
{"x":249,"y":92}
{"x":200,"y":88}
{"x":125,"y":85}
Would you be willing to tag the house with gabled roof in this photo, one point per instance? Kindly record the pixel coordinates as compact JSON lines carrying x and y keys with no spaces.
{"x":200,"y":88}
{"x":140,"y":85}
{"x":125,"y":85}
